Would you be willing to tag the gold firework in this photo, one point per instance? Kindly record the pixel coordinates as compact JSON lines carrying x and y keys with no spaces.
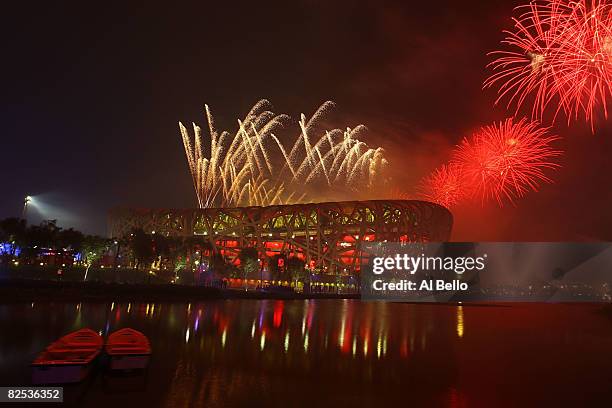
{"x":252,"y":166}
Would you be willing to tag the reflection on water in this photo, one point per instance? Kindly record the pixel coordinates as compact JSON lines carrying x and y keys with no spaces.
{"x":460,"y":321}
{"x":328,"y":352}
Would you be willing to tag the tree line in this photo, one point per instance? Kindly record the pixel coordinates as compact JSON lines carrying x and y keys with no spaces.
{"x":138,"y":250}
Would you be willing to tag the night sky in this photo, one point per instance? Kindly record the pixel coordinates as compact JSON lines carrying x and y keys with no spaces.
{"x":91,"y":98}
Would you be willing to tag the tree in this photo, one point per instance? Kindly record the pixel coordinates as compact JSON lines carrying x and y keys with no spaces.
{"x":276,"y":266}
{"x":70,"y":239}
{"x":249,"y":261}
{"x":44,"y":235}
{"x":218,"y":264}
{"x":160,"y":247}
{"x":93,"y":249}
{"x":142,"y":248}
{"x":296,"y":269}
{"x":13,"y":230}
{"x":176,"y":252}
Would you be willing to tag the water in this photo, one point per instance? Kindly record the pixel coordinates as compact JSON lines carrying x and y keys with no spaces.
{"x":331,"y":353}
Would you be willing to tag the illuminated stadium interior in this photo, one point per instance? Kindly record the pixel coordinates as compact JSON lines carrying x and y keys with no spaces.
{"x":327,"y":236}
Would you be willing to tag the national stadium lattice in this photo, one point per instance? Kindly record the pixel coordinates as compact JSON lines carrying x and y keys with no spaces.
{"x":324,"y":235}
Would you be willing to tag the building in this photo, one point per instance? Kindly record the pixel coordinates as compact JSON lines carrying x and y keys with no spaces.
{"x":326,"y":236}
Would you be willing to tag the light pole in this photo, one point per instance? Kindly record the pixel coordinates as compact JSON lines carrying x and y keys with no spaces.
{"x":26,"y":201}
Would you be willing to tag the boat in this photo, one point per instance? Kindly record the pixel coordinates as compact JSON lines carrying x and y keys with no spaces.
{"x":69,"y":359}
{"x":128,"y":349}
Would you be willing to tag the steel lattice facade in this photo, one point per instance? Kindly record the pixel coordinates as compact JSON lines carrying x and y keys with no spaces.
{"x":328,"y":234}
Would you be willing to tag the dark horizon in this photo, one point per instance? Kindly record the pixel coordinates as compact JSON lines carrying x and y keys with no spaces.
{"x":93,"y":98}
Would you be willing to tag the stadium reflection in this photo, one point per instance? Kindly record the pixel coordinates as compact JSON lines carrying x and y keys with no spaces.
{"x":245,"y":352}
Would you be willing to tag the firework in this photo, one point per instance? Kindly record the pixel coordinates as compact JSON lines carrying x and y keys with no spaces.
{"x":401,"y":194}
{"x":561,"y":56}
{"x":235,"y":164}
{"x":252,"y":166}
{"x":445,"y":186}
{"x":505,"y":160}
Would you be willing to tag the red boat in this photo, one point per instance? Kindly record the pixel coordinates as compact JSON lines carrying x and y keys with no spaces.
{"x":69,"y":359}
{"x":128,"y":349}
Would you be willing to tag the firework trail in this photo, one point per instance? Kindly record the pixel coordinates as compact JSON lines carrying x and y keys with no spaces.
{"x":244,"y":168}
{"x":503,"y":161}
{"x":561,"y":56}
{"x":234,"y":163}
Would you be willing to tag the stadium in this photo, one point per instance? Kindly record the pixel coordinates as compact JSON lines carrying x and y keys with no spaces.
{"x":326,"y":236}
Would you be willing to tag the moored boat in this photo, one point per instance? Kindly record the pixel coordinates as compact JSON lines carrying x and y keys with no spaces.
{"x":128,"y":349}
{"x":69,"y":359}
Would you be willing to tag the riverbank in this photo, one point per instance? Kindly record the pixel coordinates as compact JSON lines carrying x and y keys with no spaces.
{"x":30,"y":290}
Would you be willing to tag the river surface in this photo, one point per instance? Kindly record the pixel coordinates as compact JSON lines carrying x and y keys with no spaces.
{"x":331,"y":353}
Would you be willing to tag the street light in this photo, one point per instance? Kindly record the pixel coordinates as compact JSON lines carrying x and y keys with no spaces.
{"x":26,"y":201}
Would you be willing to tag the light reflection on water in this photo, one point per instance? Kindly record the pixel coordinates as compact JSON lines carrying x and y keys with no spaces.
{"x":229,"y":352}
{"x":460,"y":327}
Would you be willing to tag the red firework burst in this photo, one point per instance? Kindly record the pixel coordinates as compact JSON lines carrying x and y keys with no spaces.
{"x":562,"y":54}
{"x":400,"y":194}
{"x":444,"y":186}
{"x":506,"y":160}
